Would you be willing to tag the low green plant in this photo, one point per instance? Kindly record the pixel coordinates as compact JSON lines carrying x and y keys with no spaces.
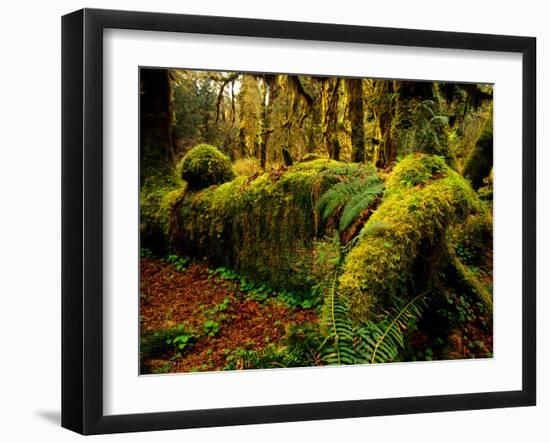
{"x":262,"y":292}
{"x":211,"y":328}
{"x":146,"y":253}
{"x":180,"y":263}
{"x":158,"y":343}
{"x":299,"y":348}
{"x":352,"y":197}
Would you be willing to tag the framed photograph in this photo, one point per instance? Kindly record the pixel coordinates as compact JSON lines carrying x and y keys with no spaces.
{"x":269,"y":221}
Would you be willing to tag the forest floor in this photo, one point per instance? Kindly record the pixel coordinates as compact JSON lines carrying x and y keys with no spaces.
{"x":221,"y":319}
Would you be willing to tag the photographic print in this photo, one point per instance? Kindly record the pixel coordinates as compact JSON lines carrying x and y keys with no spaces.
{"x":297,"y":220}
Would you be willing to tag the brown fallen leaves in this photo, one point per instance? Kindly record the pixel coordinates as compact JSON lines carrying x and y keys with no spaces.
{"x":191,"y":297}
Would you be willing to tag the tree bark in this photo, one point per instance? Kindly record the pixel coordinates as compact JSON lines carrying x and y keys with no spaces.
{"x":329,"y":102}
{"x":155,"y":120}
{"x":356,"y":111}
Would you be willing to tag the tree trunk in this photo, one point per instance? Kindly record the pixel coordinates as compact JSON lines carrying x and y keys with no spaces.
{"x":155,"y":120}
{"x":270,"y":92}
{"x":384,"y":113}
{"x":329,"y":111}
{"x":356,"y":111}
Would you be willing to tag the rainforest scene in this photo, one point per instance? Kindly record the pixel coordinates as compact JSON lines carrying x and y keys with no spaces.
{"x":301,"y":220}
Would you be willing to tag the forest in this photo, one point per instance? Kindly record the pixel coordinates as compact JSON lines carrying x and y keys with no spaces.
{"x":299,"y":220}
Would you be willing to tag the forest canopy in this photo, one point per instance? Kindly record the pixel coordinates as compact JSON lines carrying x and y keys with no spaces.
{"x":351,"y":215}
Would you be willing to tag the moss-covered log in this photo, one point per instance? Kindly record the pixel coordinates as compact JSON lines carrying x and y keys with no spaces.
{"x":263,"y":226}
{"x":423,"y":198}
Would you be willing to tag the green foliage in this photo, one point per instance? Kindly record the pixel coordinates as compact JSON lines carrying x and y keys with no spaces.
{"x":479,"y":164}
{"x":423,"y":199}
{"x":262,"y":292}
{"x":180,"y":263}
{"x":211,"y":328}
{"x":194,"y":105}
{"x":223,"y":305}
{"x":146,"y":253}
{"x":247,"y":167}
{"x":158,"y":205}
{"x":204,"y":165}
{"x":300,"y":348}
{"x":485,"y":192}
{"x":414,"y":170}
{"x":350,"y":195}
{"x":311,"y":156}
{"x":473,"y":238}
{"x":265,"y":226}
{"x":358,"y":342}
{"x":360,"y":202}
{"x":159,"y":343}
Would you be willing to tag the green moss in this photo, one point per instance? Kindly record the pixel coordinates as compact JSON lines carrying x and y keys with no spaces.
{"x":479,"y":164}
{"x":486,"y":191}
{"x":472,"y":239}
{"x":415,"y":169}
{"x":423,"y":198}
{"x":465,"y":280}
{"x":264,"y":226}
{"x":204,"y":165}
{"x":157,"y":216}
{"x":311,"y":156}
{"x":318,"y":165}
{"x":247,"y":166}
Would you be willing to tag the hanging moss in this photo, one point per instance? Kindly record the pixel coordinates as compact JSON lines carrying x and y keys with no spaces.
{"x":247,"y":167}
{"x":423,"y":198}
{"x":204,"y":165}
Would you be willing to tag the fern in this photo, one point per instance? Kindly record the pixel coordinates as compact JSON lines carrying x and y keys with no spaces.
{"x":351,"y":343}
{"x":338,"y":348}
{"x":354,"y":196}
{"x":388,"y":334}
{"x":358,"y":203}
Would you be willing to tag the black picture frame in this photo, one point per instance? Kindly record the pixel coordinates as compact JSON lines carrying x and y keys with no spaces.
{"x":82,"y":220}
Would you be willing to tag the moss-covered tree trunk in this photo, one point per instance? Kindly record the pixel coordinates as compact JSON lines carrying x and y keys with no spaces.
{"x":157,"y":171}
{"x":424,"y":198}
{"x":270,"y":91}
{"x":356,"y":113}
{"x":384,"y":113}
{"x":480,"y":162}
{"x":329,"y":110}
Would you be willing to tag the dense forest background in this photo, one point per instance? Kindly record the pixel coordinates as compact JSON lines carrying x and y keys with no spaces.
{"x":292,"y":220}
{"x":278,"y":119}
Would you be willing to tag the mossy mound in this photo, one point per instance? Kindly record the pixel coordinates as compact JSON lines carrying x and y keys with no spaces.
{"x":204,"y":166}
{"x":262,"y":226}
{"x":424,"y":197}
{"x":414,"y":170}
{"x":311,"y":156}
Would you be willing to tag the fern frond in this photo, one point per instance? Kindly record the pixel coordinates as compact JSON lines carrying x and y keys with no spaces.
{"x":358,"y":203}
{"x":392,"y":334}
{"x":340,"y":194}
{"x":370,"y":342}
